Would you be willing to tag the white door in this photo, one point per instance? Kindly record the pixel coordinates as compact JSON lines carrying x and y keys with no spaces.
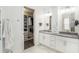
{"x":15,"y":16}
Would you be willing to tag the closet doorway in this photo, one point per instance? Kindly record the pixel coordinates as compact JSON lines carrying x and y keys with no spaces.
{"x":28,"y":28}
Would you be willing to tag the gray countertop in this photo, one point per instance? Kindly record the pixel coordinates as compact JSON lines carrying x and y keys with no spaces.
{"x":58,"y":34}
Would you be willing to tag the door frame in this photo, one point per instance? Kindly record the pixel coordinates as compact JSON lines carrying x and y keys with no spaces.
{"x":33,"y":22}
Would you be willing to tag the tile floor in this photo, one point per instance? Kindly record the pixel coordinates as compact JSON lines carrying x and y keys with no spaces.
{"x":39,"y":49}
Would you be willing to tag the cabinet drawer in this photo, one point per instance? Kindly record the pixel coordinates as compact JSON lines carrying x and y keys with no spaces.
{"x":46,"y":40}
{"x":52,"y":37}
{"x":41,"y":38}
{"x":72,"y":40}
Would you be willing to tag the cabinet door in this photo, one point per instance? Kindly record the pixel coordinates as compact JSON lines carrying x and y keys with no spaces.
{"x":46,"y":40}
{"x":52,"y":41}
{"x":72,"y":47}
{"x":41,"y":38}
{"x":60,"y":43}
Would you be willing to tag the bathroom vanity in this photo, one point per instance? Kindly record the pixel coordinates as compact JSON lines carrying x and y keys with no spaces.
{"x":59,"y":42}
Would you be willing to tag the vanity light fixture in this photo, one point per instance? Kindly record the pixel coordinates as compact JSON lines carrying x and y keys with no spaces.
{"x":76,"y":22}
{"x":40,"y":24}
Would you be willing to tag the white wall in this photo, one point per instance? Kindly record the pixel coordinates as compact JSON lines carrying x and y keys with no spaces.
{"x":15,"y":14}
{"x":54,"y":22}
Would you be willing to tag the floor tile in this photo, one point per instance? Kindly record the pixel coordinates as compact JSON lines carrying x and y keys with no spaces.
{"x":39,"y":49}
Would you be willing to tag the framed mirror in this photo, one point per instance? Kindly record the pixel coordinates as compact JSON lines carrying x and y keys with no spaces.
{"x":68,"y":22}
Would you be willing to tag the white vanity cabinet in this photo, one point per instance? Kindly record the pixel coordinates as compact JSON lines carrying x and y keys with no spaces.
{"x":52,"y":41}
{"x":44,"y":39}
{"x":60,"y":43}
{"x":67,"y":45}
{"x":72,"y":45}
{"x":47,"y":40}
{"x":41,"y":38}
{"x":72,"y":48}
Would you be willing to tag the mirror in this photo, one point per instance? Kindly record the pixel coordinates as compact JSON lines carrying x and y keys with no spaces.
{"x":68,"y":22}
{"x":66,"y":18}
